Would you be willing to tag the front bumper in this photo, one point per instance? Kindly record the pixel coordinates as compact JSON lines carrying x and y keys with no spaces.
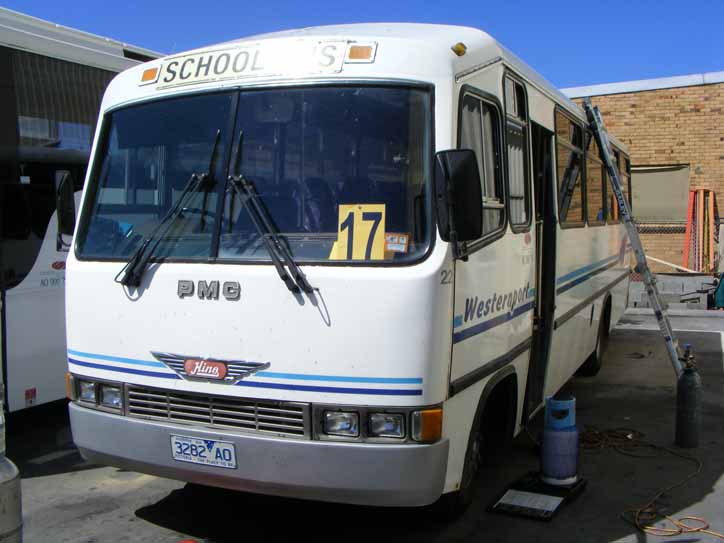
{"x":358,"y":473}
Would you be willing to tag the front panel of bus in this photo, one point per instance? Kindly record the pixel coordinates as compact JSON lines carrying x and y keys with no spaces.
{"x":334,"y":393}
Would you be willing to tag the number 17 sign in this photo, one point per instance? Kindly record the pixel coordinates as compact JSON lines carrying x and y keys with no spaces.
{"x":360,"y":233}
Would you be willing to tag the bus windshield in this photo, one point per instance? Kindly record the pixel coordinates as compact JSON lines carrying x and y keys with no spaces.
{"x":342,"y":174}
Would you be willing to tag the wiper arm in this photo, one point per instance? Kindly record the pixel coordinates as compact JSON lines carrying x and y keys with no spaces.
{"x":208,"y":180}
{"x":278,"y":251}
{"x":235,"y":182}
{"x":132,"y":272}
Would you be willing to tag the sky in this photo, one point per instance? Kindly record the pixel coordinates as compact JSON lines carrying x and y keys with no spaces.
{"x":570,"y":43}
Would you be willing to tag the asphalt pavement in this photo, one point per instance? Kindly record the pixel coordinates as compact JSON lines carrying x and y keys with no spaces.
{"x":67,"y":500}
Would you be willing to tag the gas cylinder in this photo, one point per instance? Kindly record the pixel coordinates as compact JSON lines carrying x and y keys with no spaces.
{"x":559,"y":454}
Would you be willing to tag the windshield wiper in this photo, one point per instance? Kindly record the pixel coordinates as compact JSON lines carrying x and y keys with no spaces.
{"x":278,"y":250}
{"x":132,"y":272}
{"x":208,"y":180}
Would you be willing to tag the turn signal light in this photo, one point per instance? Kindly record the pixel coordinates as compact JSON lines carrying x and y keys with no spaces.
{"x":360,"y":52}
{"x":149,"y":75}
{"x":68,"y":386}
{"x":427,"y":425}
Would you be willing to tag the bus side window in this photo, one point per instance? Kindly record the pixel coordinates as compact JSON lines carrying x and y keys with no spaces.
{"x":480,"y":131}
{"x":595,"y":200}
{"x":626,"y":181}
{"x":516,"y":113}
{"x":569,"y":161}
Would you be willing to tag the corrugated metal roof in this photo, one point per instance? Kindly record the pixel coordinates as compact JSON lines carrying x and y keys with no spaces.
{"x":27,"y":33}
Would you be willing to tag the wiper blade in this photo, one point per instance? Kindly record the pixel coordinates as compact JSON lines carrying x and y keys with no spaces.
{"x":132,"y":272}
{"x":271,"y":231}
{"x":278,"y":250}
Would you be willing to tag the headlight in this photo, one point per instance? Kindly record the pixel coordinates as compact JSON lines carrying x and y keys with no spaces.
{"x":87,"y":391}
{"x":340,"y":423}
{"x":386,"y":425}
{"x":111,"y":396}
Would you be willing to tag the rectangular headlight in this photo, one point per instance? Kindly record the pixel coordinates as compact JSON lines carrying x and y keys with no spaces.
{"x":386,"y":425}
{"x":87,"y":391}
{"x":111,"y":396}
{"x":340,"y":423}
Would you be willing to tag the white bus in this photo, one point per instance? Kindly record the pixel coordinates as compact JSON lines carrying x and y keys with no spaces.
{"x":338,"y":263}
{"x":53,"y":81}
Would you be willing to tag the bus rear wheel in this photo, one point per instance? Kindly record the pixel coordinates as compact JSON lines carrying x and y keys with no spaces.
{"x":594,"y":362}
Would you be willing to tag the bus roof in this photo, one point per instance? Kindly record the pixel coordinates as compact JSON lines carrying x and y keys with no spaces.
{"x":397,"y":43}
{"x":482,"y":49}
{"x":20,"y":31}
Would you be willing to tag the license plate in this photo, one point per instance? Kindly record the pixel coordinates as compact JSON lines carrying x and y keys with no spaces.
{"x":208,"y":452}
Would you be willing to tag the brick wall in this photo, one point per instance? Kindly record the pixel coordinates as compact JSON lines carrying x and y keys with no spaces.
{"x":672,"y":126}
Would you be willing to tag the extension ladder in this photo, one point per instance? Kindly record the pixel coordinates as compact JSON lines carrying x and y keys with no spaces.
{"x":599,"y":131}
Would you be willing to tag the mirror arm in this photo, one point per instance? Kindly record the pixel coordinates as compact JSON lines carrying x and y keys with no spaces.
{"x":453,"y":233}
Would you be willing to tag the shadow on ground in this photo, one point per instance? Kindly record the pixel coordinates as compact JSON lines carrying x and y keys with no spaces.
{"x":635,"y":390}
{"x":40,"y":443}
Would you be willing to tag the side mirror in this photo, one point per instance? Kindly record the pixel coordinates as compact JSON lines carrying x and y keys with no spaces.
{"x":459,"y":197}
{"x":65,"y":208}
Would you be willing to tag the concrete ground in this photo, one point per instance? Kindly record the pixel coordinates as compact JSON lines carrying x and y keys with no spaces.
{"x":67,"y":500}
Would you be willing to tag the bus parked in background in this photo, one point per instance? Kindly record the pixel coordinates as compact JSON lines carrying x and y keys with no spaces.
{"x":339,"y":263}
{"x":53,"y":81}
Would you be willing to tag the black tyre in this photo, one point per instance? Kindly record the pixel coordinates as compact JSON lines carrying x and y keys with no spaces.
{"x":450,"y":506}
{"x":594,"y":362}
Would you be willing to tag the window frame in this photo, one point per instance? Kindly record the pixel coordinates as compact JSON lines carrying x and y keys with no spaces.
{"x":584,"y":209}
{"x":494,"y":102}
{"x":518,"y":228}
{"x":96,"y":163}
{"x":604,"y":176}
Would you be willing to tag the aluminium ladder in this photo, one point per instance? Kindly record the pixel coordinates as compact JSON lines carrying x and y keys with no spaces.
{"x":599,"y":131}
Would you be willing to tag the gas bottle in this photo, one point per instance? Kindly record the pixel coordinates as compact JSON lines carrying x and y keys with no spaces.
{"x":559,"y":454}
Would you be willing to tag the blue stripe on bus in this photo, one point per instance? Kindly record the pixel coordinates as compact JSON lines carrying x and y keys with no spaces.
{"x":270,"y":374}
{"x":584,"y":269}
{"x":585,"y":277}
{"x":334,"y":390}
{"x":108,"y":358}
{"x":124,"y":370}
{"x":341,"y":378}
{"x":491,"y":323}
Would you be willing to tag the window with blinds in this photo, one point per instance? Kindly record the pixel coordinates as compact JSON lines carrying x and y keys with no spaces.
{"x":480,"y":131}
{"x":516,"y":112}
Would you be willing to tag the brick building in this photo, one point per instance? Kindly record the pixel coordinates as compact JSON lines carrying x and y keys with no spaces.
{"x":674,"y":128}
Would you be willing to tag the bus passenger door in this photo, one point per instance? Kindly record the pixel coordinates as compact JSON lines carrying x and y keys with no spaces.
{"x":545,"y":225}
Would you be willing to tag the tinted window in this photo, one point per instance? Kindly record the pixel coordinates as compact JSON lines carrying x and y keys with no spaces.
{"x":148,"y":156}
{"x":340,"y":173}
{"x":480,"y":131}
{"x":569,"y":159}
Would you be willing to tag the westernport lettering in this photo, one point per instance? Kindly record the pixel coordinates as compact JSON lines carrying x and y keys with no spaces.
{"x":476,"y":308}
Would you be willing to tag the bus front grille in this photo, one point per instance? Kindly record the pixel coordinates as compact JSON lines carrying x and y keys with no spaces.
{"x":289,"y":419}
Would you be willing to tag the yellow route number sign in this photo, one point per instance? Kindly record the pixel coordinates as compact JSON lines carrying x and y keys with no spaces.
{"x":360,"y":233}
